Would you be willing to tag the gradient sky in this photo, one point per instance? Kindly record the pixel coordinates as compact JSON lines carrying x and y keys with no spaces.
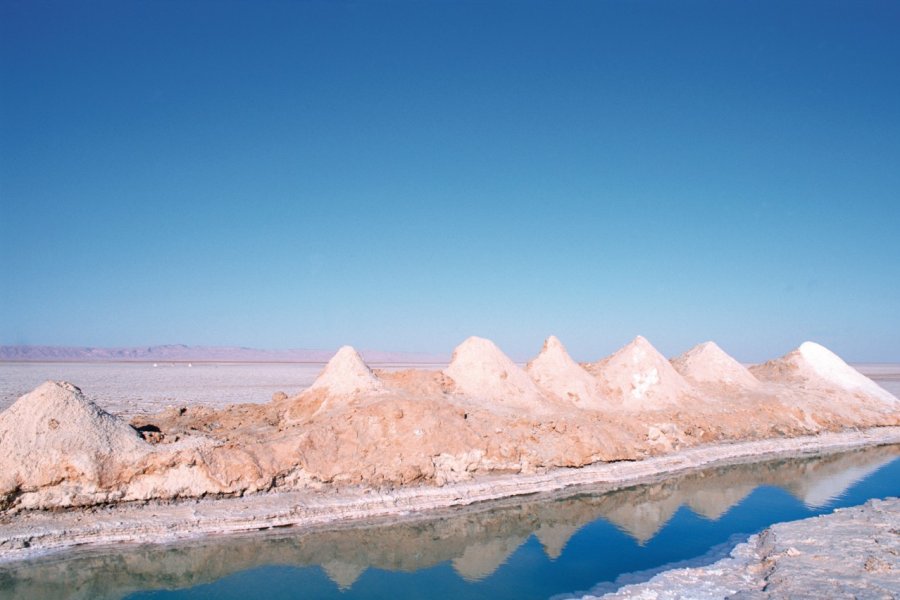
{"x":401,"y":175}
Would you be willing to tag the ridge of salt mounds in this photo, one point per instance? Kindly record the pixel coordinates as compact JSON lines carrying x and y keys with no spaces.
{"x":555,"y":372}
{"x":817,"y":366}
{"x":639,"y":377}
{"x":54,"y":436}
{"x":707,"y":363}
{"x":346,"y":374}
{"x":481,"y":371}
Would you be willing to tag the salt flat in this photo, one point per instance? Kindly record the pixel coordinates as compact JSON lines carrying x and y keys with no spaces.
{"x":128,"y":388}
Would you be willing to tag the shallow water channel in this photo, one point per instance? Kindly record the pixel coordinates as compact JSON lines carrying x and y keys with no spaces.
{"x":522,"y":548}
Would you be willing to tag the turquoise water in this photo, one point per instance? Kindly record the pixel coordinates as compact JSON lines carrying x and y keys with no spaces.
{"x":522,"y":548}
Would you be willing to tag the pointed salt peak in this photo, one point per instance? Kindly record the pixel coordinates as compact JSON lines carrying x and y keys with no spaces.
{"x":560,"y":376}
{"x":639,"y":349}
{"x":552,"y":344}
{"x":553,"y":350}
{"x":474,"y":345}
{"x":347,"y":373}
{"x":707,"y":362}
{"x":708,"y":346}
{"x":708,"y":351}
{"x":479,"y":351}
{"x":481,"y":370}
{"x":642,"y":343}
{"x":347,"y":355}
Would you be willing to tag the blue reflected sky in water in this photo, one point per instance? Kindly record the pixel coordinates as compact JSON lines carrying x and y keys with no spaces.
{"x":598,"y":552}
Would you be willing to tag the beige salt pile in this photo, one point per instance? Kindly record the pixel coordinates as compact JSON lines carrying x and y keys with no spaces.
{"x":54,"y":434}
{"x":558,"y":375}
{"x":707,"y":363}
{"x":638,"y":377}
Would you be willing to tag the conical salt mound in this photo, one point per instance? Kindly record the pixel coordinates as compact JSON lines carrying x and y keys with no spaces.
{"x":817,"y":366}
{"x":54,"y":436}
{"x":482,"y":372}
{"x":707,"y":363}
{"x":557,"y":374}
{"x":347,"y":375}
{"x":640,"y":378}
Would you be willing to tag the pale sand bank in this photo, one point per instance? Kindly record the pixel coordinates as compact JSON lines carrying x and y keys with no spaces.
{"x":26,"y":534}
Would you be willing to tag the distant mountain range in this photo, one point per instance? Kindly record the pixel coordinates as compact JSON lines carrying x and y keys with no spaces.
{"x":182,"y":353}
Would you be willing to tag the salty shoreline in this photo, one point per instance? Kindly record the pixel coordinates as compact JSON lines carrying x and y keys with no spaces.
{"x":31,"y":533}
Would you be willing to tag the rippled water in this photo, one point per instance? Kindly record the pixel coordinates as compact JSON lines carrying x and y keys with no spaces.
{"x":520,"y":548}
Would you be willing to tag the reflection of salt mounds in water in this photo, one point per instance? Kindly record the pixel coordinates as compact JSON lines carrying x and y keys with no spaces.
{"x":824,"y":482}
{"x":481,"y":559}
{"x":344,"y":575}
{"x":554,"y":538}
{"x":476,"y":542}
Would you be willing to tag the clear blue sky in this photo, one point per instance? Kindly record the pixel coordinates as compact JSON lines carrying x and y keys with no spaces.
{"x":401,"y":175}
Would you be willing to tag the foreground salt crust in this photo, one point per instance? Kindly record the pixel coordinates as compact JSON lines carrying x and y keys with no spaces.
{"x":851,"y":553}
{"x":482,"y":415}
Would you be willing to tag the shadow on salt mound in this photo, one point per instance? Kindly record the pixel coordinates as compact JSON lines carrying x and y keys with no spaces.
{"x":558,"y":375}
{"x":816,"y":366}
{"x":482,"y":372}
{"x":638,"y":377}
